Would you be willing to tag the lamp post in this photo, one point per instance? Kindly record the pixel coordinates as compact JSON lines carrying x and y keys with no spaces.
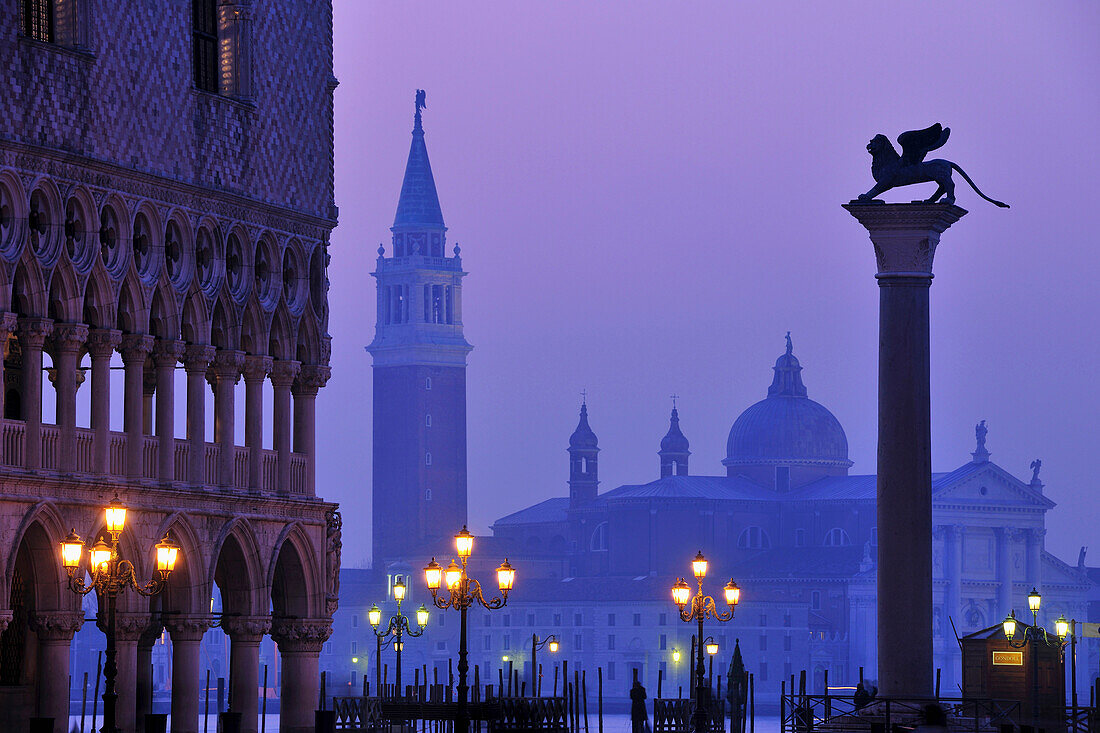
{"x":702,"y":606}
{"x":462,"y":592}
{"x":397,"y":627}
{"x":551,"y":643}
{"x":711,"y":647}
{"x":110,"y":576}
{"x":1030,"y":634}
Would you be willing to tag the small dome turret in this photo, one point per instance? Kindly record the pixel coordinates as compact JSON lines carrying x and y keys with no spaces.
{"x":674,"y":449}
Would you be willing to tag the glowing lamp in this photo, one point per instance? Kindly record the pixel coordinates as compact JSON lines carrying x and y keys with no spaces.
{"x":733,"y":593}
{"x":699,"y":566}
{"x":433,"y":575}
{"x":167,"y":552}
{"x":100,"y":555}
{"x":422,"y":616}
{"x":116,"y":516}
{"x":504,"y":658}
{"x":397,"y":645}
{"x":553,"y":645}
{"x":1061,"y":627}
{"x":453,"y":576}
{"x":374,"y":615}
{"x":1034,"y":598}
{"x":71,"y":550}
{"x":681,"y":593}
{"x":712,"y":647}
{"x":1009,"y":625}
{"x":464,"y":543}
{"x":399,"y":589}
{"x":676,"y":655}
{"x":506,"y":576}
{"x":354,"y":660}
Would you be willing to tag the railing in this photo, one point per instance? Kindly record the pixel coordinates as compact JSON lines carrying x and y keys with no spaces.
{"x":13,"y":453}
{"x":415,"y":261}
{"x":1082,"y":719}
{"x":674,"y":715}
{"x":506,"y":714}
{"x":837,"y":713}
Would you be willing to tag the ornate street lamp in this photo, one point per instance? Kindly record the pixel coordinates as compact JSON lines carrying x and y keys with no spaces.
{"x":1033,"y":634}
{"x":551,"y":643}
{"x":110,"y":576}
{"x":462,"y":592}
{"x":397,"y":627}
{"x":701,"y":606}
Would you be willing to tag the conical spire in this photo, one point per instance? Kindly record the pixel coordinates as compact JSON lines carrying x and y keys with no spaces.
{"x":674,"y":448}
{"x":419,"y":203}
{"x":583,"y":437}
{"x":788,"y":378}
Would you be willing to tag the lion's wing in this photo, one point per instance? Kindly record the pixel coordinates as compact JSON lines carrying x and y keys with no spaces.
{"x":916,"y":144}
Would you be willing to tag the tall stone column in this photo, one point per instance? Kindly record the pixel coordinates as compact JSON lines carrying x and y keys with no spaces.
{"x":283,"y":374}
{"x":196,"y":360}
{"x":226,"y":371}
{"x":148,"y":389}
{"x":256,"y":369}
{"x":135,"y":348}
{"x":300,"y":642}
{"x":32,"y":336}
{"x":55,"y":630}
{"x":245,"y":634}
{"x":187,"y":633}
{"x":144,"y":672}
{"x":905,"y":237}
{"x":101,"y":344}
{"x":311,"y":378}
{"x":128,"y":631}
{"x":67,"y":338}
{"x":166,"y":354}
{"x":8,"y":323}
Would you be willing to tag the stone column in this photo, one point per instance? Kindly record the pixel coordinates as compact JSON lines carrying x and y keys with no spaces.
{"x":8,"y":323}
{"x":32,"y":336}
{"x":67,"y":340}
{"x":196,"y":360}
{"x":128,"y":630}
{"x":148,"y":389}
{"x":55,"y":631}
{"x":135,"y":348}
{"x":256,"y":369}
{"x":245,"y":634}
{"x":311,"y":378}
{"x":283,"y":374}
{"x":144,"y":671}
{"x":300,"y":642}
{"x":905,"y":238}
{"x":226,"y":371}
{"x":166,"y":354}
{"x":187,"y":633}
{"x":101,"y":346}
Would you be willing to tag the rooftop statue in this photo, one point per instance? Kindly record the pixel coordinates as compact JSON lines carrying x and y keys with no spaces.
{"x":891,"y":170}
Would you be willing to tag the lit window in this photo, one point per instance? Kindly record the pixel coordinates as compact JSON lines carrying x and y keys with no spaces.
{"x":37,"y":17}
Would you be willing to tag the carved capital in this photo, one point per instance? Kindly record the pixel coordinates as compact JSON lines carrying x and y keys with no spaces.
{"x":135,"y":348}
{"x":905,"y":236}
{"x":197,"y":357}
{"x":167,"y":352}
{"x":256,"y":368}
{"x":311,"y":378}
{"x":227,"y":364}
{"x":56,"y":625}
{"x":284,"y":372}
{"x":102,"y":342}
{"x":246,"y":628}
{"x":301,"y":634}
{"x":187,"y":628}
{"x":8,"y":323}
{"x":33,"y":332}
{"x":129,"y":627}
{"x":69,"y":336}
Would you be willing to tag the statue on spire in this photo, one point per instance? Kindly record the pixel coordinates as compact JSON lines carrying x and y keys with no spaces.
{"x":1035,"y":466}
{"x":790,"y":348}
{"x":980,"y":431}
{"x":420,"y":103}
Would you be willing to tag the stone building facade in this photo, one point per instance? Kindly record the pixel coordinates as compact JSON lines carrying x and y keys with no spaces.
{"x":166,"y":199}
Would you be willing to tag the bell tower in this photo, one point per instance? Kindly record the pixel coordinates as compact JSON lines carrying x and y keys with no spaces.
{"x":419,"y":355}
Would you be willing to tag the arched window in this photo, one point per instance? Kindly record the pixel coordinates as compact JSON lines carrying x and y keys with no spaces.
{"x":837,"y":537}
{"x":37,"y":17}
{"x":754,"y":538}
{"x":599,"y":538}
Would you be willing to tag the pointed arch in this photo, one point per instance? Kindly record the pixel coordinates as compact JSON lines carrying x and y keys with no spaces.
{"x":195,"y":320}
{"x":296,"y":589}
{"x":40,"y":534}
{"x":65,"y":304}
{"x":236,"y":566}
{"x":100,"y":302}
{"x":224,"y":327}
{"x":132,"y":313}
{"x":187,"y":591}
{"x":281,"y":341}
{"x":164,"y":320}
{"x":253,"y":329}
{"x":308,"y":349}
{"x":28,"y":296}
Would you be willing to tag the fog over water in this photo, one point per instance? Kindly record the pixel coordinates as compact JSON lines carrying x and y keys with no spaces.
{"x":648,"y":197}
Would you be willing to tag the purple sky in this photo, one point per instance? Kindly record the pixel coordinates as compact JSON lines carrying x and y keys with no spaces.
{"x":648,"y":196}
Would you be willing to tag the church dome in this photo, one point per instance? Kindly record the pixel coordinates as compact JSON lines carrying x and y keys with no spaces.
{"x":787,"y":427}
{"x":674,"y":440}
{"x":583,"y":437}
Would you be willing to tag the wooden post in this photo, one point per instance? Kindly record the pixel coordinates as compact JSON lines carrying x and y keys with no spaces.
{"x":324,"y":678}
{"x":691,"y":671}
{"x":782,"y":705}
{"x":660,"y":679}
{"x":95,"y":696}
{"x":938,"y":670}
{"x":477,"y":684}
{"x":599,"y":698}
{"x":584,"y":700}
{"x":828,"y":700}
{"x":555,"y":680}
{"x":538,"y":689}
{"x":500,"y":682}
{"x":576,"y":699}
{"x":84,"y":703}
{"x":263,"y":703}
{"x":206,"y":705}
{"x":752,"y":703}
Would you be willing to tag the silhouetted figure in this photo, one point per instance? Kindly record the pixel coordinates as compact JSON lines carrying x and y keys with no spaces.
{"x":639,"y":718}
{"x":862,"y":698}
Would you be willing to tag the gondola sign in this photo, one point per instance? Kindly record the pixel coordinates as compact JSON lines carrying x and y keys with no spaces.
{"x":1010,"y":659}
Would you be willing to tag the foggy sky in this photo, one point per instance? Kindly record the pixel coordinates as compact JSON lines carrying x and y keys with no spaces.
{"x":648,"y":197}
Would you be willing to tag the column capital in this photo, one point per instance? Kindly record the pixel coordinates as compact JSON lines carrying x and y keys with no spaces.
{"x":135,"y":347}
{"x":56,"y":625}
{"x":311,"y":378}
{"x":905,"y":236}
{"x":8,"y":322}
{"x":246,"y":628}
{"x":102,"y":342}
{"x":196,"y":357}
{"x":227,"y":363}
{"x":129,"y":627}
{"x":69,"y":337}
{"x":33,"y":331}
{"x":301,"y":634}
{"x":284,"y":372}
{"x":187,"y":628}
{"x":167,"y":352}
{"x":256,"y":367}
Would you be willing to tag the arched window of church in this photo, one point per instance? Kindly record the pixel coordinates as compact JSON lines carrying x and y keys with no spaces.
{"x":837,"y":537}
{"x":599,"y":538}
{"x":754,"y":538}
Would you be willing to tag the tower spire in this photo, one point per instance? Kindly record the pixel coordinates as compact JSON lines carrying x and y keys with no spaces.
{"x":583,"y":466}
{"x":674,"y":447}
{"x":418,"y":208}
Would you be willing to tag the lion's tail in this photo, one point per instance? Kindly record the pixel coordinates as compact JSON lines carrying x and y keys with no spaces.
{"x":977,"y":190}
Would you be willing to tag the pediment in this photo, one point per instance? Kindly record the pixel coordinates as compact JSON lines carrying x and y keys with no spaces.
{"x":990,"y":485}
